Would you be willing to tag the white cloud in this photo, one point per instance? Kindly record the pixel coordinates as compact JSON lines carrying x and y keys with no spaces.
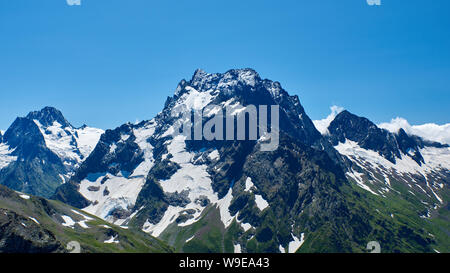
{"x":322,"y":125}
{"x":429,"y":131}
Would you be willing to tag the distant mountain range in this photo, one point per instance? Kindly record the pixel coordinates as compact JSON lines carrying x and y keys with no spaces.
{"x":332,"y":190}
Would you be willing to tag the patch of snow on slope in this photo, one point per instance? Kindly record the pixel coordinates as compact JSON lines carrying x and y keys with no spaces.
{"x":436,"y":158}
{"x":86,"y":218}
{"x":169,"y":217}
{"x":196,"y":100}
{"x":189,"y":239}
{"x":246,"y":226}
{"x":193,"y":178}
{"x":224,"y":205}
{"x":214,"y":155}
{"x":71,"y":145}
{"x":237,"y":248}
{"x":261,"y":202}
{"x":68,"y":222}
{"x":34,"y":220}
{"x":112,"y":240}
{"x":248,"y":184}
{"x":403,"y":165}
{"x":357,"y":177}
{"x":24,"y":196}
{"x":297,"y":243}
{"x":5,"y":156}
{"x":87,"y":139}
{"x":142,"y":135}
{"x":82,"y":215}
{"x":123,"y":193}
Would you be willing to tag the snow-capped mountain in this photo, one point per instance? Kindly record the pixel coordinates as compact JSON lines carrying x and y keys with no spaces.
{"x":125,"y":156}
{"x":71,"y":144}
{"x":229,"y":196}
{"x":39,"y":152}
{"x":379,"y":159}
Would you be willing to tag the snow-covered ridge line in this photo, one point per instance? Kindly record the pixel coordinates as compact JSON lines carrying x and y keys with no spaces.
{"x":436,"y":159}
{"x":6,"y":156}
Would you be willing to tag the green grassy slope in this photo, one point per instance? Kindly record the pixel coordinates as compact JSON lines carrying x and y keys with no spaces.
{"x":21,"y":218}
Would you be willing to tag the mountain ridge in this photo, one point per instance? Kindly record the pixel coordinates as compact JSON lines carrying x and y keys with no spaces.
{"x":178,"y":185}
{"x":315,"y":193}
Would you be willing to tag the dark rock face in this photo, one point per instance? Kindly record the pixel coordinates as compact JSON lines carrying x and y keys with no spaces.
{"x":365,"y":133}
{"x":410,"y":145}
{"x":68,"y":193}
{"x":36,"y":170}
{"x":202,"y":200}
{"x":119,"y":213}
{"x":165,"y":169}
{"x":22,"y":235}
{"x":25,"y":137}
{"x":125,"y":157}
{"x":298,"y":182}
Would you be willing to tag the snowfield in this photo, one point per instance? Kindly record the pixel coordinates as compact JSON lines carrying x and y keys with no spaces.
{"x":5,"y":156}
{"x":70,"y":144}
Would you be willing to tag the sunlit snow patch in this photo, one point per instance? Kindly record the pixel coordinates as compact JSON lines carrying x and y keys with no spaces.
{"x":297,"y":243}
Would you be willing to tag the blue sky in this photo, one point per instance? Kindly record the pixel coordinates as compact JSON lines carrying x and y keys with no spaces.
{"x":108,"y":62}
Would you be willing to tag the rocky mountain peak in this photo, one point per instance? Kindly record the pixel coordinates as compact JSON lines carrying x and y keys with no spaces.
{"x":228,"y":81}
{"x":48,"y":115}
{"x":23,"y":132}
{"x":240,"y":88}
{"x":347,"y":126}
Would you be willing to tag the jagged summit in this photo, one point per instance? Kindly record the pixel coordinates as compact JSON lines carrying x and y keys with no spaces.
{"x":48,"y":115}
{"x":243,"y":87}
{"x":247,"y":75}
{"x":347,"y":126}
{"x":229,"y":81}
